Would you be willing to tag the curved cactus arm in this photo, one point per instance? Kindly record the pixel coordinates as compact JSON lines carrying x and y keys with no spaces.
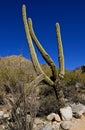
{"x":60,"y":52}
{"x":42,"y":51}
{"x":32,"y":50}
{"x":29,"y":40}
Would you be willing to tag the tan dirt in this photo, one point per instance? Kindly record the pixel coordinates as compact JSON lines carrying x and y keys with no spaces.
{"x":79,"y":124}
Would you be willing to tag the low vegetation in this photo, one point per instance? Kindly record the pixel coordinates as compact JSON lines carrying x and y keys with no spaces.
{"x":16,"y":73}
{"x":12,"y":75}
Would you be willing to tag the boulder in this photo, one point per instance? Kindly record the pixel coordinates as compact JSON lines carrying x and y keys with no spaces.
{"x":54,"y":116}
{"x":77,"y":109}
{"x":51,"y":117}
{"x":66,"y":125}
{"x":66,"y":113}
{"x":57,"y":118}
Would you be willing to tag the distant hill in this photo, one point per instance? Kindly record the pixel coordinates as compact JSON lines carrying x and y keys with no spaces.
{"x":14,"y":62}
{"x":80,"y":69}
{"x":20,"y":61}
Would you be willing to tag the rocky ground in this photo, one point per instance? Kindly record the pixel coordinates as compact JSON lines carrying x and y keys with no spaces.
{"x":72,"y":118}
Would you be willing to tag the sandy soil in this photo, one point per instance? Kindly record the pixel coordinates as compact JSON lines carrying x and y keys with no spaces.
{"x":79,"y":124}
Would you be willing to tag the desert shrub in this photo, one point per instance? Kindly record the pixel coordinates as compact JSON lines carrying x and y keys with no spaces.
{"x":71,"y":78}
{"x":74,"y":86}
{"x":48,"y":105}
{"x":24,"y":108}
{"x":83,"y":69}
{"x":11,"y":79}
{"x":74,"y":76}
{"x":45,"y":90}
{"x":11,"y":76}
{"x":48,"y":102}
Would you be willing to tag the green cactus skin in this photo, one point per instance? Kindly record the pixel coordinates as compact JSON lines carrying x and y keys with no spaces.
{"x":42,"y":50}
{"x":60,"y":52}
{"x":32,"y":50}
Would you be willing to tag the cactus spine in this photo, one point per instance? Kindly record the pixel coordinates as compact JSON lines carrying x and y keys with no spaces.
{"x":60,"y":52}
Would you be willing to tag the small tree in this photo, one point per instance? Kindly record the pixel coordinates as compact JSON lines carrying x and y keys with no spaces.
{"x":56,"y":81}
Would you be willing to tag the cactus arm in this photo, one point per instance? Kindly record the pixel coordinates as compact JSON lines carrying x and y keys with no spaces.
{"x":36,"y":64}
{"x":29,"y":40}
{"x":34,"y":83}
{"x":42,"y":50}
{"x":60,"y":52}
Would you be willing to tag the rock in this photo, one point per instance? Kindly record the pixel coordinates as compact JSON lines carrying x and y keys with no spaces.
{"x":28,"y":118}
{"x":1,"y":114}
{"x":77,"y":109}
{"x":38,"y":121}
{"x":6,"y":115}
{"x":47,"y":127}
{"x":55,"y":125}
{"x":18,"y":110}
{"x":51,"y":116}
{"x":66,"y":125}
{"x":66,"y":113}
{"x":57,"y":118}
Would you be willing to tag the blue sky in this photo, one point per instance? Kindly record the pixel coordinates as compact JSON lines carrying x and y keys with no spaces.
{"x":44,"y":13}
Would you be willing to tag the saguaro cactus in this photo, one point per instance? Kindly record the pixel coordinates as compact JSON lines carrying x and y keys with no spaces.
{"x":56,"y":82}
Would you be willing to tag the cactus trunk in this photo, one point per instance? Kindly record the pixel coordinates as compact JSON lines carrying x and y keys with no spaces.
{"x":58,"y":82}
